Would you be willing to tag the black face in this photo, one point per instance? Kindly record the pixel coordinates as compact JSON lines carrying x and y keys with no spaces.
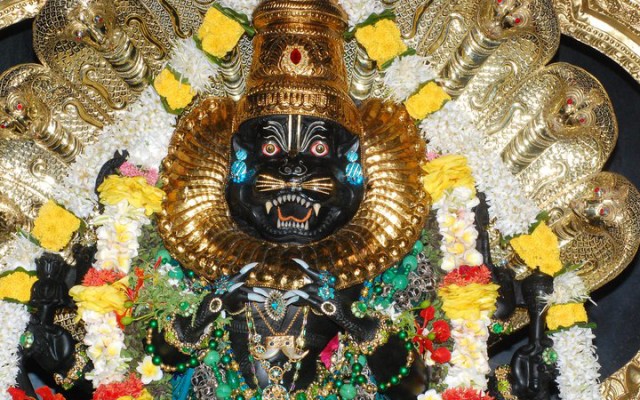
{"x":296,"y":188}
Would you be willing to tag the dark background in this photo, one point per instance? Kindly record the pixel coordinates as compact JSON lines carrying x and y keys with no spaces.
{"x":618,"y":308}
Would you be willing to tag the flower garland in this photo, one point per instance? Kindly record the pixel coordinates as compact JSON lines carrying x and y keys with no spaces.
{"x":14,"y":318}
{"x":145,"y":129}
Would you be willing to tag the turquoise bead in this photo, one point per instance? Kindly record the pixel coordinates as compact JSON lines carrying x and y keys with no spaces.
{"x":348,"y":391}
{"x":417,"y":247}
{"x":164,"y":254}
{"x":232,"y":379}
{"x":400,"y":282}
{"x":223,"y":391}
{"x":176,"y":273}
{"x":388,"y":276}
{"x":410,"y":262}
{"x":212,"y":358}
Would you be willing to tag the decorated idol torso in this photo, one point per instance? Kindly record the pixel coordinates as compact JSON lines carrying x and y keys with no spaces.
{"x":303,"y":199}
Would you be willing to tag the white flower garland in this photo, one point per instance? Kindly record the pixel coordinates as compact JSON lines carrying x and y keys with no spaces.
{"x":105,"y":342}
{"x":469,"y":359}
{"x":359,"y":10}
{"x":406,"y":74}
{"x":245,"y":7}
{"x":22,"y":252}
{"x":190,"y":62}
{"x":578,"y":364}
{"x":13,"y":319}
{"x":451,"y":131}
{"x":118,"y":229}
{"x":144,"y":130}
{"x":456,"y":224}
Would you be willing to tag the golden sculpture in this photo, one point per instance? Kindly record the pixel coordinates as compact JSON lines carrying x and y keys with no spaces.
{"x":492,"y":62}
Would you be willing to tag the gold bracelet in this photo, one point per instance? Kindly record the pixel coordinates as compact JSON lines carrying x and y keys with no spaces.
{"x":171,"y":337}
{"x":503,"y":385}
{"x":75,"y":372}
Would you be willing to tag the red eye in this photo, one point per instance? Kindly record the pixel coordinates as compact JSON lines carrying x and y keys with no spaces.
{"x":319,"y":148}
{"x":270,"y":149}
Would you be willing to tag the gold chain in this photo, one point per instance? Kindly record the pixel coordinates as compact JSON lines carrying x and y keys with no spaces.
{"x":273,"y":331}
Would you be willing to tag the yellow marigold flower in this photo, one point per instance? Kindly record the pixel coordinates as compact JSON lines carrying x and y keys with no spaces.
{"x":566,"y":315}
{"x":540,"y":249}
{"x":428,"y":100}
{"x":54,"y":226}
{"x":135,"y":190}
{"x":102,"y":299}
{"x":218,"y":33}
{"x":445,"y":173}
{"x":16,"y":285}
{"x":382,"y":40}
{"x":177,"y":94}
{"x":468,"y":302}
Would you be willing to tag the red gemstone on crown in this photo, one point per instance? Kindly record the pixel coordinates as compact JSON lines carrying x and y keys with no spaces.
{"x":569,"y":101}
{"x":19,"y":107}
{"x":295,"y":56}
{"x":518,"y":20}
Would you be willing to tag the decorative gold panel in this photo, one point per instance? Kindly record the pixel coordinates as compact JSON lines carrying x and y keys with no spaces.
{"x":611,"y":26}
{"x":14,"y":11}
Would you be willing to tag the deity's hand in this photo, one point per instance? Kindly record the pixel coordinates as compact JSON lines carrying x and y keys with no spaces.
{"x":321,"y":295}
{"x":53,"y":347}
{"x":229,"y":294}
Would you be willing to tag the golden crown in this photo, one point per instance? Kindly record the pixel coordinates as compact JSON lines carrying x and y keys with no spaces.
{"x":298,"y":65}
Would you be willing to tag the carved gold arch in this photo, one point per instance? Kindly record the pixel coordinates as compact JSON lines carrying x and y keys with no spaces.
{"x":611,"y":26}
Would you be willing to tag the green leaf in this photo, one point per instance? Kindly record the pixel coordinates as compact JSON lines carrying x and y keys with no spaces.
{"x":372,"y":19}
{"x":242,"y":19}
{"x":409,"y":52}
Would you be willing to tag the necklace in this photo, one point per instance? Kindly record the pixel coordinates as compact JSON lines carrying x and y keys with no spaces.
{"x":279,"y":342}
{"x":270,"y":328}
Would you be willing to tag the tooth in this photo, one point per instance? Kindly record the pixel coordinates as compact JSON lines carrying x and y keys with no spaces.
{"x":306,"y":226}
{"x":308,"y":204}
{"x":268,"y":206}
{"x":300,"y":200}
{"x":316,"y":208}
{"x":275,"y":203}
{"x":279,"y":224}
{"x":279,"y":199}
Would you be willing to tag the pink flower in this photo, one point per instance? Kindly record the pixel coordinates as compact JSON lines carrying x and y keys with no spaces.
{"x":329,"y":350}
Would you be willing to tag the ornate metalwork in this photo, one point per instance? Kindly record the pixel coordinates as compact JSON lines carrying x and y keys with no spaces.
{"x":385,"y":225}
{"x":624,"y":384}
{"x":34,"y":105}
{"x":611,"y":26}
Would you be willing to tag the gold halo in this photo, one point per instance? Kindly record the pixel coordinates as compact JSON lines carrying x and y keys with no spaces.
{"x":198,"y":231}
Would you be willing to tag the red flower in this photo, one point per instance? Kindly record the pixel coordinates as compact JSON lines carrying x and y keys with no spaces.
{"x":424,"y":344}
{"x":441,"y":355}
{"x":113,"y":391}
{"x":428,"y":313}
{"x":465,"y":394}
{"x":46,"y":394}
{"x":18,"y":394}
{"x":441,"y":330}
{"x":95,"y":277}
{"x":465,"y":275}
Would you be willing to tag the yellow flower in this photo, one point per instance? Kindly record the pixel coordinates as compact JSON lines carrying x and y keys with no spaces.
{"x":428,"y":100}
{"x":218,"y":33}
{"x":445,"y":173}
{"x":145,"y":395}
{"x":468,"y":302}
{"x":135,"y":190}
{"x":382,"y":41}
{"x":102,"y":299}
{"x":16,"y":285}
{"x":540,"y":249}
{"x":566,"y":315}
{"x":177,"y":94}
{"x":54,"y":226}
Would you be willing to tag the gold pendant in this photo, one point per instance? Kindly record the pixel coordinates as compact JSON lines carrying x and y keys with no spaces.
{"x":275,"y":392}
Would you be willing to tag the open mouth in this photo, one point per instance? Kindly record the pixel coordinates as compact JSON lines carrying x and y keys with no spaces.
{"x":292,"y":212}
